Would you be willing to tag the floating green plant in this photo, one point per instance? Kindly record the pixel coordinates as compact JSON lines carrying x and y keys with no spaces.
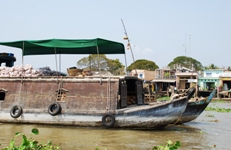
{"x":169,"y":146}
{"x":209,"y":115}
{"x":218,"y":101}
{"x":217,"y":109}
{"x":29,"y":144}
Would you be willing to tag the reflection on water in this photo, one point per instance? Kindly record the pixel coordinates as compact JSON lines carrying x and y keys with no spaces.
{"x":203,"y":133}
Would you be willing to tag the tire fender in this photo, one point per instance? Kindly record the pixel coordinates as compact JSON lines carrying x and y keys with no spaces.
{"x":16,"y":111}
{"x":108,"y":120}
{"x":54,"y":109}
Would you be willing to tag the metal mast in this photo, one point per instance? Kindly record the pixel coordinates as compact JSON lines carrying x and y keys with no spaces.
{"x":129,"y":45}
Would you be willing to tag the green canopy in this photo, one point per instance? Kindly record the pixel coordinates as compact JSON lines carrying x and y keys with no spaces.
{"x":67,"y":46}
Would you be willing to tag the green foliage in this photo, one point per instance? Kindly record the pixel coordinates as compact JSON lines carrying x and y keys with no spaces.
{"x":163,"y":98}
{"x":211,"y":66}
{"x":29,"y":143}
{"x":217,"y":109}
{"x":115,"y":67}
{"x":186,"y":62}
{"x":167,"y":75}
{"x":218,"y":101}
{"x":169,"y":146}
{"x":209,"y":115}
{"x":213,"y":86}
{"x":100,"y":62}
{"x":143,"y":64}
{"x":93,"y":62}
{"x":229,"y":68}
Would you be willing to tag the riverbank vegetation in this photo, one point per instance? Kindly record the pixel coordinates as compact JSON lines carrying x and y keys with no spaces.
{"x":143,"y":64}
{"x":92,"y":62}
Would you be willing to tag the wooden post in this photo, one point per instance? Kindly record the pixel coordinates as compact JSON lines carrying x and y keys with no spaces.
{"x":149,"y":93}
{"x":218,"y":88}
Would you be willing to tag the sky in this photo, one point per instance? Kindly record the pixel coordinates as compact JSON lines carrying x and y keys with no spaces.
{"x":159,"y":30}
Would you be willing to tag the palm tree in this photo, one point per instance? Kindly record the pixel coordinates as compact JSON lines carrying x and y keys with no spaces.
{"x":211,"y":66}
{"x":229,"y":69}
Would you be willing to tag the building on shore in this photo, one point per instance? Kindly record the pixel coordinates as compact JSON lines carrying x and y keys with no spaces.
{"x":146,"y":75}
{"x":210,"y":79}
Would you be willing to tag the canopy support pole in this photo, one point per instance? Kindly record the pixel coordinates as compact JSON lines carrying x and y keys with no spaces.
{"x":59,"y":62}
{"x":99,"y":65}
{"x":56,"y":61}
{"x":22,"y":75}
{"x":22,"y":52}
{"x":22,"y":70}
{"x":89,"y":59}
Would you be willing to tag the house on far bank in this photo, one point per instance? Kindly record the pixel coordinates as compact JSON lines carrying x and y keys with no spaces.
{"x":143,"y":74}
{"x":214,"y":78}
{"x":210,"y":79}
{"x":185,"y":78}
{"x":225,"y":80}
{"x":164,"y":78}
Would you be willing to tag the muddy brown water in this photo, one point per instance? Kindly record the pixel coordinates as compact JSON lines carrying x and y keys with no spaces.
{"x":210,"y":131}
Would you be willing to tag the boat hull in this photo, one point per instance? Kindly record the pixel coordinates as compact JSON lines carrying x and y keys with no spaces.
{"x":152,"y":116}
{"x":156,"y":116}
{"x":83,"y":102}
{"x":194,"y":109}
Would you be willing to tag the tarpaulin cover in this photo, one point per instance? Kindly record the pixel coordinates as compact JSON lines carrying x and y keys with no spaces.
{"x":67,"y":46}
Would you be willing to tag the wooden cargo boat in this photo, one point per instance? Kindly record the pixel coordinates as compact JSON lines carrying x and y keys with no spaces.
{"x":81,"y":101}
{"x":194,"y":108}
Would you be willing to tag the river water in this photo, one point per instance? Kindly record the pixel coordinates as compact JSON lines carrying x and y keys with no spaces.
{"x":210,"y":131}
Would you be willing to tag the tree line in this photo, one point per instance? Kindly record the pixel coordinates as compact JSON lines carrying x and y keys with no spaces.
{"x":96,"y":62}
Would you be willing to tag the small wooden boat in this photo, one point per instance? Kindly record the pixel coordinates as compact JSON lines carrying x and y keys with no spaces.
{"x":81,"y":101}
{"x":194,"y":108}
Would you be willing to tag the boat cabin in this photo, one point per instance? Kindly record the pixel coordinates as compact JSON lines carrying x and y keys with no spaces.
{"x":130,"y":91}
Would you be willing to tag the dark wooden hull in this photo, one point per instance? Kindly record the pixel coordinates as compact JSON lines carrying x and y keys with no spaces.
{"x":152,"y":115}
{"x":194,"y":109}
{"x":83,"y":102}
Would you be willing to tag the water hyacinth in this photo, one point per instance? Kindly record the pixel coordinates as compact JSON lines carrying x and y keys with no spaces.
{"x":217,"y":109}
{"x":29,"y":144}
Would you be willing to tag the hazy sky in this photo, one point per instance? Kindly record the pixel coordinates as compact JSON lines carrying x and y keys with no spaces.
{"x":159,"y":30}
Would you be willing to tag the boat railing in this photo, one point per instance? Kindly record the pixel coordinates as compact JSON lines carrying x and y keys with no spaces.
{"x":64,"y":77}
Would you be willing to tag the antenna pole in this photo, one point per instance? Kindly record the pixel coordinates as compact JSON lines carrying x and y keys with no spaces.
{"x":185,"y":45}
{"x":190,"y":44}
{"x":129,"y":45}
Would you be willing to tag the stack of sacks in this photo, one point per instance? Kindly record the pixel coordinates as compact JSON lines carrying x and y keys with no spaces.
{"x":27,"y":71}
{"x":17,"y":71}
